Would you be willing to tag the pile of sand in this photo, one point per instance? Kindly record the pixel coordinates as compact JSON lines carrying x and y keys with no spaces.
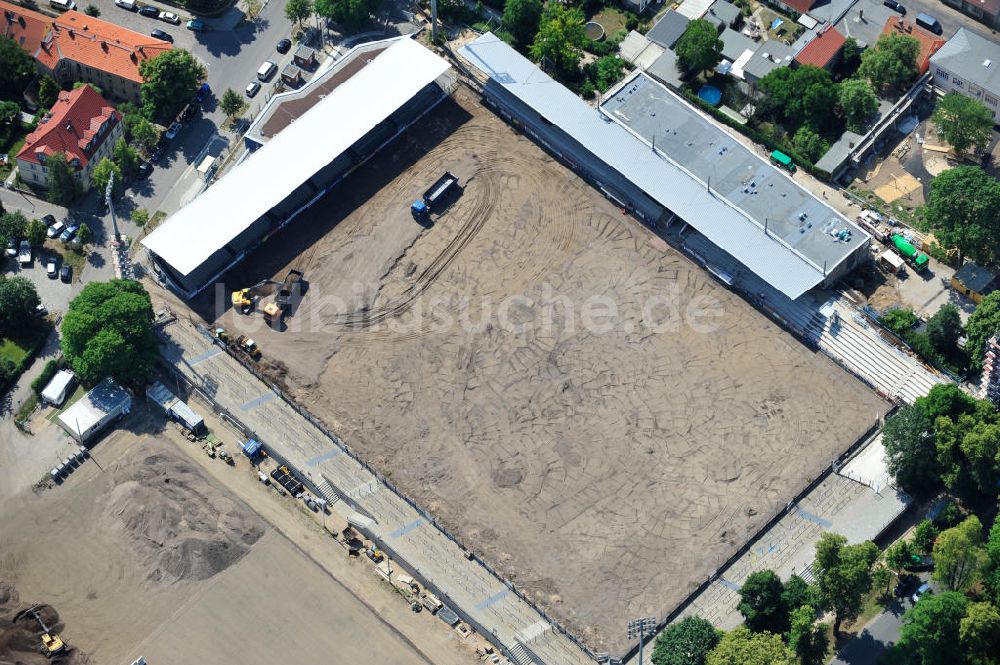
{"x":179,"y":525}
{"x":20,"y":634}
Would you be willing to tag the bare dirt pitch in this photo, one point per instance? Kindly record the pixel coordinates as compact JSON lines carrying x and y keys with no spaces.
{"x":606,"y":469}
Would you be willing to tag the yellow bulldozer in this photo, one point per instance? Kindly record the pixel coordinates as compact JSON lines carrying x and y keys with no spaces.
{"x":52,"y":645}
{"x":243,"y":301}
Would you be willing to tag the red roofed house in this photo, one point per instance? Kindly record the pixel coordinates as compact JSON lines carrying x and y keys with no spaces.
{"x":76,"y":47}
{"x":929,"y":43}
{"x":824,"y":50}
{"x":81,"y":124}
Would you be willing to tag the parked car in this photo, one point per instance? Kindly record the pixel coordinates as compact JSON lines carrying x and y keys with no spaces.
{"x":169,"y":17}
{"x":284,"y":46}
{"x":24,"y":253}
{"x":196,"y":25}
{"x":69,"y":233}
{"x":49,"y":220}
{"x":157,"y":154}
{"x":11,"y":247}
{"x":41,"y":310}
{"x":130,"y":5}
{"x":51,"y":269}
{"x":161,"y":35}
{"x":145,"y":168}
{"x":919,"y":562}
{"x":55,"y":230}
{"x":906,"y":585}
{"x":148,"y":10}
{"x":895,"y":6}
{"x":202,"y":93}
{"x":66,"y":274}
{"x":252,"y":88}
{"x":921,"y":591}
{"x":174,"y":129}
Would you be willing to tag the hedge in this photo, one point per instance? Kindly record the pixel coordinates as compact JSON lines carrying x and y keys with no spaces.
{"x":49,"y":371}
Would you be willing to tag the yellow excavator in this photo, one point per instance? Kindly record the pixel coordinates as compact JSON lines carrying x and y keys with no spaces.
{"x":52,"y":644}
{"x":244,"y":299}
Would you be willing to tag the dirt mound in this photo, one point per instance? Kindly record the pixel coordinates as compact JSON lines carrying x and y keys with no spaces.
{"x":179,"y":525}
{"x":21,"y":633}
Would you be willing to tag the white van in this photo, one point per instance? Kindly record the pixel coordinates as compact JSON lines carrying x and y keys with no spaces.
{"x":59,"y":387}
{"x":63,"y":5}
{"x":266,"y":70}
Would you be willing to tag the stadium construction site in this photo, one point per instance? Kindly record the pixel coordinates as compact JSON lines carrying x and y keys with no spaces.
{"x":599,"y":418}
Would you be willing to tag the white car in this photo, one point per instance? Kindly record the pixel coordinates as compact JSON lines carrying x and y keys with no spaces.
{"x":51,"y":269}
{"x":55,"y":230}
{"x":170,"y":17}
{"x":172,"y":131}
{"x":130,"y":5}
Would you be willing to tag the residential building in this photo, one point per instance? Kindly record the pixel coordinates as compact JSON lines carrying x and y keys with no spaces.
{"x":794,"y":6}
{"x":82,"y":125}
{"x":76,"y":47}
{"x":769,"y":56}
{"x":723,"y":14}
{"x":823,"y":50}
{"x":987,"y":11}
{"x":929,"y":42}
{"x":973,"y":281}
{"x":668,"y":29}
{"x":968,"y":64}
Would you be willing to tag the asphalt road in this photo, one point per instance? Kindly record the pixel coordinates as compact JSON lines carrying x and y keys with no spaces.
{"x":875,"y":638}
{"x":950,"y":18}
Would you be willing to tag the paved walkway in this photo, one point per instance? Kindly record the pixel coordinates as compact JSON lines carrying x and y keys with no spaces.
{"x":404,"y":532}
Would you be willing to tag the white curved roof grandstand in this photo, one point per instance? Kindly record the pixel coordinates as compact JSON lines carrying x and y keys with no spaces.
{"x":197,"y":231}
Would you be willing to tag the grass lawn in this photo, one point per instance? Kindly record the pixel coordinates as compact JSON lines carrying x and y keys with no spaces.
{"x":611,"y":19}
{"x":12,"y":351}
{"x":787,"y":32}
{"x":68,"y":256}
{"x":12,"y":150}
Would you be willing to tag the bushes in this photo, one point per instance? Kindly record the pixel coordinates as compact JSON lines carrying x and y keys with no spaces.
{"x":49,"y":371}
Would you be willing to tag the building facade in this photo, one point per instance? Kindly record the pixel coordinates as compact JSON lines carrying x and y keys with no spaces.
{"x":969,"y":65}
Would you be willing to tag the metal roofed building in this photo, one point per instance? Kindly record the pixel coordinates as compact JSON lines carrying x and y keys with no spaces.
{"x":969,"y":65}
{"x":90,"y":414}
{"x":749,"y":209}
{"x":769,"y":56}
{"x":297,"y":166}
{"x":668,"y":29}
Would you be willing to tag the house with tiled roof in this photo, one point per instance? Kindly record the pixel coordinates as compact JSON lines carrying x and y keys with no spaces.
{"x":823,"y":50}
{"x":929,"y":42}
{"x":76,"y":47}
{"x":82,"y":125}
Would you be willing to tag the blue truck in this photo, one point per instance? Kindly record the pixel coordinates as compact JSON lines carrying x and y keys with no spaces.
{"x":437,"y":192}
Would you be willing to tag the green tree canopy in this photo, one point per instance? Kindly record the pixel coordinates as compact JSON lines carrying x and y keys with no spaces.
{"x":170,"y":80}
{"x":35,"y":233}
{"x":141,"y":133}
{"x":983,"y":323}
{"x":699,"y":48}
{"x":910,"y":449}
{"x":10,"y":122}
{"x":126,"y":159}
{"x":898,"y":555}
{"x":924,"y":536}
{"x":809,"y":144}
{"x":18,"y":300}
{"x":946,"y":399}
{"x":13,"y":226}
{"x":743,"y":647}
{"x":931,"y":627}
{"x":944,"y":328}
{"x":140,"y":216}
{"x":48,"y":91}
{"x":102,"y":174}
{"x":107,"y":331}
{"x":560,"y":39}
{"x":899,"y":320}
{"x":298,"y":10}
{"x":963,"y":122}
{"x":521,"y":18}
{"x":805,"y":95}
{"x":686,"y":642}
{"x":843,"y":575}
{"x":959,"y":554}
{"x":991,"y":569}
{"x":232,"y":103}
{"x":961,"y":209}
{"x":352,"y":14}
{"x":892,"y":61}
{"x":761,"y":603}
{"x":64,"y":188}
{"x":796,"y":593}
{"x":606,"y":70}
{"x":17,"y":68}
{"x":979,"y":634}
{"x":858,"y":103}
{"x":807,"y":638}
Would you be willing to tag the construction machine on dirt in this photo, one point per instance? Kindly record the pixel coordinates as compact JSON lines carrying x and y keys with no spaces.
{"x":244,"y":300}
{"x":289,"y":292}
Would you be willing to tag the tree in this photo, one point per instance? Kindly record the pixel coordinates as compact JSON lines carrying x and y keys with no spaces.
{"x":796,"y":593}
{"x":102,"y":174}
{"x":809,"y":144}
{"x":898,"y":555}
{"x":35,"y":233}
{"x":946,"y":399}
{"x":107,"y":331}
{"x":899,"y":320}
{"x":924,"y":536}
{"x":18,"y":300}
{"x":910,"y":450}
{"x":298,"y":10}
{"x":686,"y":642}
{"x":944,"y":328}
{"x":170,"y":80}
{"x":979,"y":634}
{"x":605,"y":71}
{"x":804,"y":95}
{"x":892,"y":61}
{"x":126,"y":159}
{"x":761,"y":603}
{"x":991,"y":570}
{"x":13,"y":226}
{"x":850,"y":55}
{"x":930,"y":628}
{"x":963,"y":122}
{"x":140,"y":216}
{"x":92,"y":10}
{"x":83,"y":234}
{"x":807,"y":639}
{"x":232,"y":103}
{"x":17,"y":68}
{"x":882,"y":578}
{"x":144,"y":135}
{"x":560,"y":39}
{"x":521,"y":18}
{"x":10,"y":122}
{"x":858,"y":103}
{"x":983,"y":323}
{"x":64,"y":188}
{"x":961,"y":209}
{"x":742,"y":647}
{"x":843,"y":575}
{"x":959,"y":554}
{"x":699,"y":48}
{"x":352,"y":14}
{"x":48,"y":91}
